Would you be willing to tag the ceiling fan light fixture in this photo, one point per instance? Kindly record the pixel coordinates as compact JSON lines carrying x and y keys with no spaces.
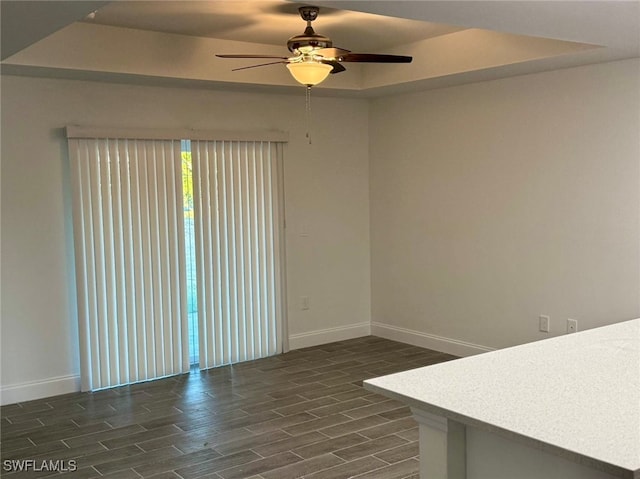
{"x":309,"y":73}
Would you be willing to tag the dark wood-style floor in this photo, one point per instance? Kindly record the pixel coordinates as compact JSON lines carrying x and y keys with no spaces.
{"x":300,"y":414}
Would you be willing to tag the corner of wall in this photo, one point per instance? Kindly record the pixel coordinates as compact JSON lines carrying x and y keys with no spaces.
{"x":324,"y":336}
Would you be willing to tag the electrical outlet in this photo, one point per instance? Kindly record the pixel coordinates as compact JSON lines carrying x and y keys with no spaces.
{"x":572,"y":325}
{"x":544,"y":322}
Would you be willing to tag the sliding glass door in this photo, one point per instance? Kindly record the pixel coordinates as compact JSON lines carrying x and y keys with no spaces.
{"x":167,"y":232}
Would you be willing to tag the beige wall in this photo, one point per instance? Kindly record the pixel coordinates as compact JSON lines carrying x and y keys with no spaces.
{"x":495,"y":202}
{"x":326,"y":187}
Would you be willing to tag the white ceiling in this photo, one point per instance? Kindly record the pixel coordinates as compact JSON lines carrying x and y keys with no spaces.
{"x":174,"y":42}
{"x":269,"y":22}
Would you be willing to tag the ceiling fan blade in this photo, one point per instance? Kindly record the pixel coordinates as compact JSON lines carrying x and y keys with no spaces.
{"x":331,"y":52}
{"x":252,"y":56}
{"x":255,"y":66}
{"x":337,"y":67}
{"x":374,"y":58}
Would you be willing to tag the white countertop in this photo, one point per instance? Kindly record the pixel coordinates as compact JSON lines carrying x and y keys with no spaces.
{"x":576,"y":395}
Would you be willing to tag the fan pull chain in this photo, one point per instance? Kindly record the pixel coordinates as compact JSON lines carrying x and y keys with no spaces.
{"x":308,"y":112}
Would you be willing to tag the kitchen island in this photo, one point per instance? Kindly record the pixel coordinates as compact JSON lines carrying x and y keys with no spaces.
{"x":562,"y":408}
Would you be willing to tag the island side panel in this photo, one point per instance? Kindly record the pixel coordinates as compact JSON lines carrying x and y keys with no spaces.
{"x":495,"y":457}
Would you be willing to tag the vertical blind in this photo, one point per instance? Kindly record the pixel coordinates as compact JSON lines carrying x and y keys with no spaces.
{"x":129,"y":240}
{"x":130,"y":253}
{"x":238,"y":208}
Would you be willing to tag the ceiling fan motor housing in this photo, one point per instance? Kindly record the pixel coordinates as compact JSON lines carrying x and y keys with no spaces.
{"x":309,"y":38}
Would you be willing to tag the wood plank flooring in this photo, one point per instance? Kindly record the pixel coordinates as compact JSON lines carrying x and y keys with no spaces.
{"x":303,"y":414}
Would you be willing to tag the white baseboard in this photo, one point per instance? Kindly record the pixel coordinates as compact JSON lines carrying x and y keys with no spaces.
{"x":28,"y":391}
{"x":429,"y":341}
{"x":31,"y":390}
{"x":324,"y":336}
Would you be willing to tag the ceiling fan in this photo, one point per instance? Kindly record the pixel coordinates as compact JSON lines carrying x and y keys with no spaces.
{"x":314,"y":56}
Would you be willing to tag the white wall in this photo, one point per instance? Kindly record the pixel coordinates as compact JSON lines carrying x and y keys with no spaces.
{"x":493,"y":203}
{"x":326,"y":201}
